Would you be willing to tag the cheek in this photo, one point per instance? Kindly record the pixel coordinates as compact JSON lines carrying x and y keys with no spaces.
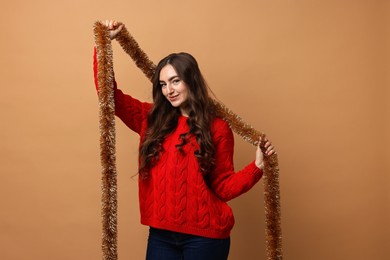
{"x":184,"y":90}
{"x":186,"y":94}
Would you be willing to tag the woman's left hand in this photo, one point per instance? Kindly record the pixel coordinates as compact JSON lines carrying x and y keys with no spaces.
{"x":267,"y":150}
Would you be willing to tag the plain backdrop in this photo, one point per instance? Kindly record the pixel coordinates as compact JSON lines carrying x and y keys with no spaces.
{"x":313,"y":75}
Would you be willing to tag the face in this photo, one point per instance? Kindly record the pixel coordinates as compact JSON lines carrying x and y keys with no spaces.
{"x":174,"y":88}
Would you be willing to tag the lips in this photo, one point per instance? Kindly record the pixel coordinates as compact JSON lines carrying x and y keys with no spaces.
{"x":173,"y":98}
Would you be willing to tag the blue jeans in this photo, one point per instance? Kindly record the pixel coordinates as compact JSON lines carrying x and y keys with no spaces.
{"x":169,"y":245}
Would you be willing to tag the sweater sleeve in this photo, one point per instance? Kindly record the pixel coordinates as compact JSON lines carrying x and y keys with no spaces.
{"x":130,"y":110}
{"x":224,"y":181}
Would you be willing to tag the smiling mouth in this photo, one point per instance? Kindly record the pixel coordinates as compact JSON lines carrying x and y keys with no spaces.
{"x":173,"y":98}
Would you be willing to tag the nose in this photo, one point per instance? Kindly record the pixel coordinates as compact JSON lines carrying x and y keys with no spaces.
{"x":169,"y":89}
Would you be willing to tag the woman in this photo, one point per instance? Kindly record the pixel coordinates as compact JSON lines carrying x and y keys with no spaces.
{"x":185,"y":163}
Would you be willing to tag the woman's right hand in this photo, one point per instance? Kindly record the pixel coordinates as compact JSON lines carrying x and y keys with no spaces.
{"x":114,"y":27}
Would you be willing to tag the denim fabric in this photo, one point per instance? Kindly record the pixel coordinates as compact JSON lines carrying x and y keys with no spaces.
{"x":168,"y":245}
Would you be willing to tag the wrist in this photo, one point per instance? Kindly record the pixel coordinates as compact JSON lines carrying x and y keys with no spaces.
{"x":260,"y":165}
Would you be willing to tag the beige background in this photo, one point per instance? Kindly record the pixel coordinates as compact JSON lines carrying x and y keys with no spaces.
{"x":314,"y":75}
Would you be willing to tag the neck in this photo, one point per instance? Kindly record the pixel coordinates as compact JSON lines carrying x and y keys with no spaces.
{"x":184,"y":111}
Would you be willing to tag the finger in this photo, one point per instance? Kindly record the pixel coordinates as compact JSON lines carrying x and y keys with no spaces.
{"x":115,"y":25}
{"x":117,"y":30}
{"x":270,"y":150}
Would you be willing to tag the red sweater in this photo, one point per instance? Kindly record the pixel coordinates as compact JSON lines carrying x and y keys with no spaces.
{"x":176,"y":196}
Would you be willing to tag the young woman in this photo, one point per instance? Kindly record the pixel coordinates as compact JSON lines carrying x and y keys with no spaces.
{"x":186,"y":171}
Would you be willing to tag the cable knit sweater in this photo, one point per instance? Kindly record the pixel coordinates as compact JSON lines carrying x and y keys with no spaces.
{"x":176,"y":196}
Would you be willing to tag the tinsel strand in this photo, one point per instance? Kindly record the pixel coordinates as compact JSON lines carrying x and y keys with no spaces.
{"x":131,"y":47}
{"x":107,"y":141}
{"x":272,"y":206}
{"x":248,"y":133}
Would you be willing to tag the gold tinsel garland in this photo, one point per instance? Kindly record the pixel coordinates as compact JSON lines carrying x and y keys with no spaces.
{"x":107,"y":141}
{"x":107,"y":126}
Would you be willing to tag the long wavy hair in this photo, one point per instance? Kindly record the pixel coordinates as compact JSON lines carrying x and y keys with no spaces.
{"x":163,"y":117}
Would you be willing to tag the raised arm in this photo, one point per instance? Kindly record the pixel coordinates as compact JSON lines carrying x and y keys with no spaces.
{"x":130,"y":110}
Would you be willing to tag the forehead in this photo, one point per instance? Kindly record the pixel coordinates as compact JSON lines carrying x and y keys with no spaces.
{"x":167,"y":72}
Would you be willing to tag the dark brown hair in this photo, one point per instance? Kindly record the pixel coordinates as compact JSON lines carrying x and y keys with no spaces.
{"x":163,"y":117}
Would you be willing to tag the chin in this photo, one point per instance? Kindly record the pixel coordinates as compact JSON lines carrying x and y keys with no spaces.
{"x":176,"y":104}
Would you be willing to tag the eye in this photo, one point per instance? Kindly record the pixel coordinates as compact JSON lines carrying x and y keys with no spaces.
{"x":176,"y":81}
{"x":162,"y":84}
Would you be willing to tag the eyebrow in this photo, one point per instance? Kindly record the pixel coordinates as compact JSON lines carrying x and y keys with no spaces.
{"x":171,"y":78}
